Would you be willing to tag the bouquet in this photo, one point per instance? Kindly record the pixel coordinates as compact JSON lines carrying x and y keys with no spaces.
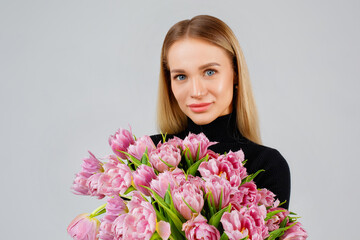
{"x":177,"y":189}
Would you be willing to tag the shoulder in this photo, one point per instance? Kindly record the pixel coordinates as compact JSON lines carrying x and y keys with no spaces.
{"x":264,"y":157}
{"x":276,"y":176}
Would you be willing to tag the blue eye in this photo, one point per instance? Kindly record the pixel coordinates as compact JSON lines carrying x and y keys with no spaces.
{"x":180,"y":77}
{"x":210,"y":72}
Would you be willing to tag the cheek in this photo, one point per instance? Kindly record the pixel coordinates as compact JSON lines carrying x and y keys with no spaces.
{"x":178,"y":93}
{"x":224,"y":89}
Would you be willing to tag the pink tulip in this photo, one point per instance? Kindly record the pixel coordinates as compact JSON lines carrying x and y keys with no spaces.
{"x":139,"y":225}
{"x":115,"y":206}
{"x":136,"y":200}
{"x":274,"y":222}
{"x":192,"y":141}
{"x":94,"y":184}
{"x":143,"y":176}
{"x":115,"y":181}
{"x":247,"y":194}
{"x":161,"y":183}
{"x":90,"y":166}
{"x":179,"y":176}
{"x":197,"y":228}
{"x":220,"y":168}
{"x":175,"y":141}
{"x":248,"y":222}
{"x":212,"y":154}
{"x":266,"y":197}
{"x":198,"y":182}
{"x":79,"y":186}
{"x":120,"y":141}
{"x":295,"y":233}
{"x":258,"y":214}
{"x":105,"y":232}
{"x":209,"y":168}
{"x":167,"y":153}
{"x":139,"y":222}
{"x":235,"y":159}
{"x":138,"y":148}
{"x":84,"y":228}
{"x":112,"y":162}
{"x":192,"y":195}
{"x":163,"y":229}
{"x":216,"y":185}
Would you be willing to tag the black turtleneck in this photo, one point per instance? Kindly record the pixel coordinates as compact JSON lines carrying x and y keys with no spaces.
{"x":223,"y":130}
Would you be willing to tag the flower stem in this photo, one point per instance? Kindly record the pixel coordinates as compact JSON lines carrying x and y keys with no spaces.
{"x":100,"y":210}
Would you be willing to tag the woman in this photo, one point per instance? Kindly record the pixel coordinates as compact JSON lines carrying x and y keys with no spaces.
{"x":205,"y":87}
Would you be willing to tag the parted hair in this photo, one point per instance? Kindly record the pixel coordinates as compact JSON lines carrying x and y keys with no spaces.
{"x":170,"y":118}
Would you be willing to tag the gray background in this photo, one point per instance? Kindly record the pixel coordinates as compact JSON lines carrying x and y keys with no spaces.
{"x":73,"y":72}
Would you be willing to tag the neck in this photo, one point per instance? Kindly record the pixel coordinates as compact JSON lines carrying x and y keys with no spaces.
{"x":222,"y":129}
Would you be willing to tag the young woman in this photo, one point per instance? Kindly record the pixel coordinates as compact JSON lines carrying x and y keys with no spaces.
{"x":205,"y":87}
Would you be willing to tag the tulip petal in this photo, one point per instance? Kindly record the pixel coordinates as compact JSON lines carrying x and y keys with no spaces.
{"x":163,"y":228}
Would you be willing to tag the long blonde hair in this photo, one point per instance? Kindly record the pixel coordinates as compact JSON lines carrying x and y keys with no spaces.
{"x":170,"y":118}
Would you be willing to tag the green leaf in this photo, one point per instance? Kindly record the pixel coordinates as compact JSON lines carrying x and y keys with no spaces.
{"x":198,"y":153}
{"x":160,"y":216}
{"x":271,"y":214}
{"x":284,"y":203}
{"x":275,"y":234}
{"x":130,"y":189}
{"x":177,"y":222}
{"x":188,"y":152}
{"x":252,"y":176}
{"x":135,"y":161}
{"x":169,"y":165}
{"x":119,"y":159}
{"x":283,"y":223}
{"x":175,"y":234}
{"x":155,"y":236}
{"x":145,"y":158}
{"x":247,"y":237}
{"x":221,"y":197}
{"x":215,"y":219}
{"x":163,"y":136}
{"x":290,"y":226}
{"x":98,"y":211}
{"x":211,"y":205}
{"x":224,"y":236}
{"x":244,"y":162}
{"x":188,"y":205}
{"x":187,"y":160}
{"x":167,"y":198}
{"x":193,"y":168}
{"x":278,"y":232}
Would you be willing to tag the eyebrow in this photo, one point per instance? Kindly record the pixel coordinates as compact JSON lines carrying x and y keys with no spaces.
{"x":201,"y":67}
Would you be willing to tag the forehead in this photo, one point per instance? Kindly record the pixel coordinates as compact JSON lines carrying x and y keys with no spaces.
{"x":192,"y":52}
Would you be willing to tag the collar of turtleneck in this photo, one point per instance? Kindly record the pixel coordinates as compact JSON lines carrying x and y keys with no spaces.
{"x":223,"y":129}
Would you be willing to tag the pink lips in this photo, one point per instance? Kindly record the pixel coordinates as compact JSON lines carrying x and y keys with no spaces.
{"x":199,"y":107}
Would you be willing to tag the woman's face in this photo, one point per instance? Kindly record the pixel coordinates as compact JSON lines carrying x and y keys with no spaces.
{"x":202,"y":79}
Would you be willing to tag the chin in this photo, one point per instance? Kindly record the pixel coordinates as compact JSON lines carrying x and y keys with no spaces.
{"x":202,"y":120}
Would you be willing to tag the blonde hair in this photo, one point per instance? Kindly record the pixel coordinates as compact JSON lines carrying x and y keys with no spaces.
{"x":170,"y":118}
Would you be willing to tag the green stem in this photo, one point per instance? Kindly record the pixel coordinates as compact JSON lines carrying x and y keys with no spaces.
{"x":100,"y":210}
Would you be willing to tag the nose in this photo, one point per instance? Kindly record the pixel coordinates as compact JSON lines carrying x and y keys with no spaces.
{"x":198,"y":88}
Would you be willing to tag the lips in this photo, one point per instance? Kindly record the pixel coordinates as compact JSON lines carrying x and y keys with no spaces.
{"x":199,"y":107}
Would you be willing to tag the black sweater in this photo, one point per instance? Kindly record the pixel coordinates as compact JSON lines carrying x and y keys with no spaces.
{"x":223,"y":130}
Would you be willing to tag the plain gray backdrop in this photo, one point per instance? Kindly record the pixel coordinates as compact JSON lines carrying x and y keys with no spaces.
{"x":73,"y":72}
